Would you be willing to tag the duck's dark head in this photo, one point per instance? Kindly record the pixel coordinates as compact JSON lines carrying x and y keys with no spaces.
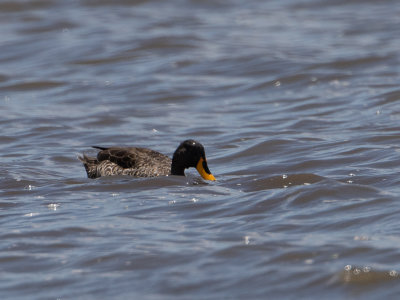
{"x":190,"y":154}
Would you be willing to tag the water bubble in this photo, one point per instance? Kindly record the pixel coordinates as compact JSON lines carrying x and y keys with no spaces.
{"x":356,"y":271}
{"x":347,"y":267}
{"x":334,"y":82}
{"x":367,"y":269}
{"x":32,"y":214}
{"x":309,"y":261}
{"x":361,"y":238}
{"x":29,"y":187}
{"x":53,"y":206}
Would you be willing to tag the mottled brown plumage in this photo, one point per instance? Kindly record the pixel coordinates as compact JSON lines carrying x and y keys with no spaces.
{"x":143,"y":162}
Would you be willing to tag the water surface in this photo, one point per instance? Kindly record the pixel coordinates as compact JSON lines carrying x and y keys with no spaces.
{"x":296,"y":103}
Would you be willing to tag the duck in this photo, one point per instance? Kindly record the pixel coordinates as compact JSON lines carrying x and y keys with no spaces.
{"x":143,"y":162}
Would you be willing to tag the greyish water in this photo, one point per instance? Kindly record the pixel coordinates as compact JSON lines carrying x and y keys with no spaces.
{"x":296,"y":102}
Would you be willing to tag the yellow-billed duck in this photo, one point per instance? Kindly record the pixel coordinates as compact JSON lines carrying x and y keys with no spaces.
{"x":142,"y":162}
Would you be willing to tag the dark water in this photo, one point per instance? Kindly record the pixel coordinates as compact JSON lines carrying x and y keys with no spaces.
{"x":296,"y":102}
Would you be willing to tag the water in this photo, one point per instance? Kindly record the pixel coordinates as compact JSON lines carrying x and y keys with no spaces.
{"x":296,"y":103}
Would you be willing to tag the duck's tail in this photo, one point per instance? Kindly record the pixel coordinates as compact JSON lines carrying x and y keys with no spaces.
{"x":90,"y":164}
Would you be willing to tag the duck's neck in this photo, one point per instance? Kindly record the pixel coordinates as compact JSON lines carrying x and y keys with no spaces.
{"x":176,"y":167}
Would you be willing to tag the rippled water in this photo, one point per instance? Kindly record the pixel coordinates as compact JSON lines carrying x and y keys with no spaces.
{"x":296,"y":102}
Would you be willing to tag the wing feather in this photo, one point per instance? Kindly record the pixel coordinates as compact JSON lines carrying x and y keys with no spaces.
{"x":132,"y":157}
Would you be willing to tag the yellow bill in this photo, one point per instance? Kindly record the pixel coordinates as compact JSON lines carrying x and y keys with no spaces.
{"x":203,"y":170}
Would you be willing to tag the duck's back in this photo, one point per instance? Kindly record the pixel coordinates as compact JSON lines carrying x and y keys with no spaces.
{"x":139,"y":162}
